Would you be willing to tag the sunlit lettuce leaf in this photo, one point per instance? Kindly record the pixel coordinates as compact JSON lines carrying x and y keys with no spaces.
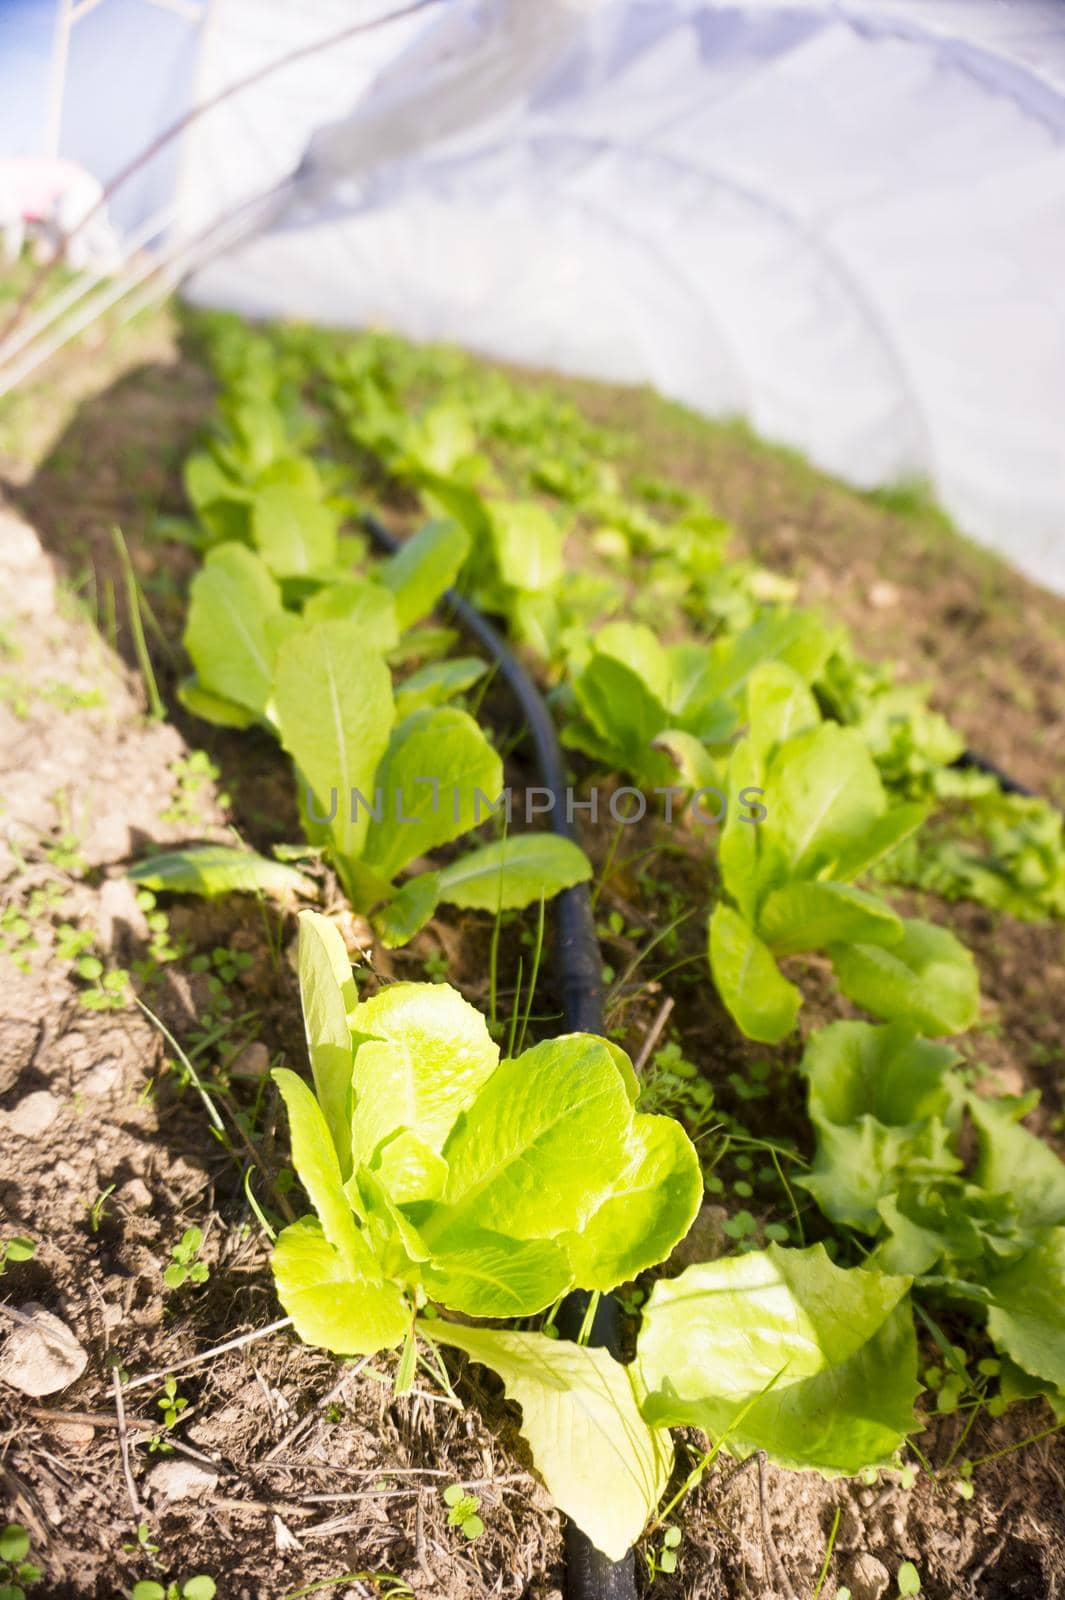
{"x":294,"y":531}
{"x":491,"y":1275}
{"x":514,"y":872}
{"x":527,"y":542}
{"x":426,"y":565}
{"x":437,"y":683}
{"x":330,"y":1304}
{"x":333,"y":699}
{"x":761,"y":1001}
{"x":781,"y":1350}
{"x":369,"y":605}
{"x":423,"y":1055}
{"x":214,"y":869}
{"x":327,"y":993}
{"x":927,"y":979}
{"x":604,"y":1466}
{"x":438,"y":778}
{"x":650,"y":1207}
{"x":809,"y":916}
{"x":226,"y":635}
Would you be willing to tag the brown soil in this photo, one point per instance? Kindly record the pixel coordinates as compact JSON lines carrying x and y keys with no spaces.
{"x":88,"y":780}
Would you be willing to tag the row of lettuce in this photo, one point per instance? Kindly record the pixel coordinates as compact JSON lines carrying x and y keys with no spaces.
{"x":442,"y":1176}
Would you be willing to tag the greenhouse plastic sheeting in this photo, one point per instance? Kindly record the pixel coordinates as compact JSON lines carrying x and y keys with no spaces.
{"x":843,"y":222}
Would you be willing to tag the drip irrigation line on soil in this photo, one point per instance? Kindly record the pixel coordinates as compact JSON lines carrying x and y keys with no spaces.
{"x":590,"y":1575}
{"x":1008,"y":785}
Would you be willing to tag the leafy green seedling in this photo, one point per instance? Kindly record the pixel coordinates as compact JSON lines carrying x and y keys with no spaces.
{"x":16,"y":1572}
{"x":908,"y":1579}
{"x":385,"y":778}
{"x":790,"y":880}
{"x":895,"y":1121}
{"x":184,"y":1266}
{"x":17,"y":1248}
{"x":144,"y":1541}
{"x":171,"y":1404}
{"x":440,"y":1173}
{"x":665,"y":1560}
{"x":200,"y":1587}
{"x":463,"y":1509}
{"x":99,"y":1206}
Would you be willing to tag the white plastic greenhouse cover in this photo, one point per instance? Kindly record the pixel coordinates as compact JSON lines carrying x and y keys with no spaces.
{"x":845,"y":222}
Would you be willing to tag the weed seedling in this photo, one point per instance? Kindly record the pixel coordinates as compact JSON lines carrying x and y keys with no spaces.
{"x":463,"y":1511}
{"x":199,"y":1588}
{"x":171,"y":1404}
{"x":96,"y":1210}
{"x":664,"y":1560}
{"x":15,"y":1571}
{"x":184,"y":1266}
{"x":15,"y":1249}
{"x":144,"y":1542}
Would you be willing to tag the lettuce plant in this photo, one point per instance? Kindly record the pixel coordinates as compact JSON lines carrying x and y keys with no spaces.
{"x":895,"y":1126}
{"x":445,"y":1180}
{"x":781,"y":1350}
{"x":654,"y":710}
{"x":442,"y":1175}
{"x":386,"y":777}
{"x":790,"y":881}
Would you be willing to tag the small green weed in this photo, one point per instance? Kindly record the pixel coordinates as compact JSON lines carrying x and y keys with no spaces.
{"x":463,"y":1509}
{"x":184,"y":1266}
{"x":16,"y":1572}
{"x":16,"y":1248}
{"x":200,"y":1587}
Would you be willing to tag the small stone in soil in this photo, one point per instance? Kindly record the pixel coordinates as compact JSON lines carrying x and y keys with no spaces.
{"x":104,"y":1077}
{"x":34,"y":1114}
{"x":75,"y":1435}
{"x":867,"y":1577}
{"x":181,"y":1480}
{"x":251,"y":1062}
{"x":135,"y":1195}
{"x":44,"y":1358}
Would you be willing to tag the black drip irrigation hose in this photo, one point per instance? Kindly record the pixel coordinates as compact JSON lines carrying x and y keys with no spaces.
{"x":1008,"y":785}
{"x":590,"y":1575}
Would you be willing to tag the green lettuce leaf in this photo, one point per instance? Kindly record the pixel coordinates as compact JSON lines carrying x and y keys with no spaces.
{"x":214,"y":869}
{"x":927,"y":979}
{"x":369,"y":605}
{"x":426,"y":565}
{"x":438,"y":777}
{"x":293,"y":530}
{"x":437,"y":683}
{"x":406,"y":914}
{"x":226,"y":635}
{"x":527,"y":543}
{"x":328,"y":994}
{"x":809,"y":916}
{"x":604,"y":1466}
{"x":423,"y":1056}
{"x":782,"y":1351}
{"x":762,"y":1002}
{"x":333,"y":699}
{"x":652,"y":1204}
{"x":1027,"y":1315}
{"x":330,"y":1305}
{"x":514,"y":872}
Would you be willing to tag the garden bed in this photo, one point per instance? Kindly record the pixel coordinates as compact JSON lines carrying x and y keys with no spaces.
{"x":109,"y":1155}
